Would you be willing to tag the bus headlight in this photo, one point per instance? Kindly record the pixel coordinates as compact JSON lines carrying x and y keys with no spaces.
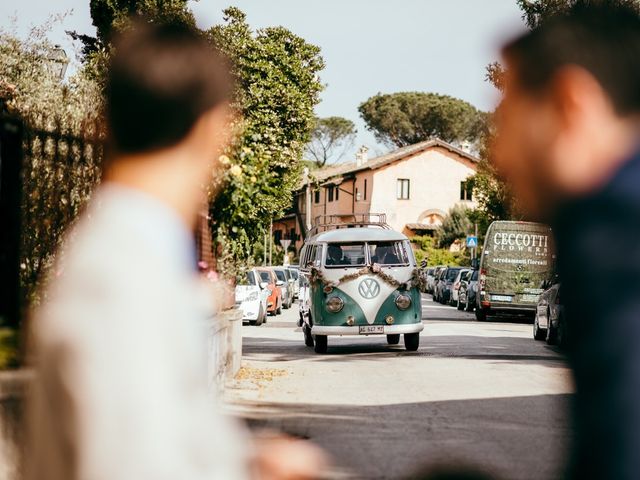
{"x":335,"y":304}
{"x":403,"y":302}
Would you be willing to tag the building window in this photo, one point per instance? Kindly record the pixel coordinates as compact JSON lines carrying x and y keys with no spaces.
{"x":330,"y":189}
{"x":277,"y":236}
{"x":365,"y":189}
{"x":317,"y":196}
{"x":403,"y":189}
{"x":466,"y":190}
{"x":337,"y":187}
{"x":357,"y":195}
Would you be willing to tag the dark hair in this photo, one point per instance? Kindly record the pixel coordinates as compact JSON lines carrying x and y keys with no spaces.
{"x":601,"y":37}
{"x":161,"y":79}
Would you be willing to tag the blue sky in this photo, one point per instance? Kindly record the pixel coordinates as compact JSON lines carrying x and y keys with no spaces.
{"x":369,"y":46}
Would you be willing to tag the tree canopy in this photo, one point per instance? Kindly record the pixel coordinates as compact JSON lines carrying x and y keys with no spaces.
{"x":331,"y":137}
{"x":535,"y":13}
{"x":455,"y":226}
{"x":405,"y":118}
{"x":278,"y":88}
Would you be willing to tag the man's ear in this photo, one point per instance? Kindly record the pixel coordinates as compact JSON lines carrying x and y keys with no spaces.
{"x":577,"y":96}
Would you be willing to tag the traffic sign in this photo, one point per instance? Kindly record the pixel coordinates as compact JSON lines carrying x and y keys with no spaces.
{"x":472,"y":241}
{"x":285,"y":244}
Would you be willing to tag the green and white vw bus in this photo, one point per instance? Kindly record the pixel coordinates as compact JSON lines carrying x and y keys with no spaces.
{"x":363,"y":280}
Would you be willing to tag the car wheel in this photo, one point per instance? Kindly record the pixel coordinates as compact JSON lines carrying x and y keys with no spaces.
{"x":538,"y":333}
{"x":552,"y":332}
{"x":279,"y":309}
{"x":393,"y":339}
{"x":481,"y":314}
{"x":321,"y":344}
{"x":308,"y":338}
{"x":260,"y":318}
{"x":411,"y":341}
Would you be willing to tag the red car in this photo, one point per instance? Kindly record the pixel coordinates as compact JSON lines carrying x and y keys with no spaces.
{"x":269,"y":281}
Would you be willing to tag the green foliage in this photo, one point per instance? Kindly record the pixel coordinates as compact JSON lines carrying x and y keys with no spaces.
{"x":330,"y":139}
{"x":57,"y":177}
{"x":425,"y":248}
{"x":405,"y":118}
{"x":536,"y":13}
{"x":455,"y":226}
{"x":494,"y":199}
{"x":9,"y":348}
{"x":278,"y":88}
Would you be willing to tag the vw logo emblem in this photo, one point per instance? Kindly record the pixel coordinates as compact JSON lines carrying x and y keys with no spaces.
{"x":369,"y":288}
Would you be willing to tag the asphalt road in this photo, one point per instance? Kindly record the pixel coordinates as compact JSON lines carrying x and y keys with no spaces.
{"x":481,"y":394}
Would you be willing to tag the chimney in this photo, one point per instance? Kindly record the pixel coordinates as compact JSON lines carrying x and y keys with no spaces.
{"x":361,"y":155}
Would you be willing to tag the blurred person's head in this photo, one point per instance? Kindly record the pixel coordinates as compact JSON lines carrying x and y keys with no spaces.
{"x":167,"y":112}
{"x":569,"y":116}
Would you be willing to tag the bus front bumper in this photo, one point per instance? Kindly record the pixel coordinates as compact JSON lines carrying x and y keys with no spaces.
{"x":355,"y":330}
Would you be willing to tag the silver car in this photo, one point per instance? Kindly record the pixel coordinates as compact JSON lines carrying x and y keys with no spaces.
{"x":285,"y":283}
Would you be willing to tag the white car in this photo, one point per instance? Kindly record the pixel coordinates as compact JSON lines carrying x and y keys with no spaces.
{"x":295,"y":276}
{"x":455,"y":288}
{"x":252,"y":299}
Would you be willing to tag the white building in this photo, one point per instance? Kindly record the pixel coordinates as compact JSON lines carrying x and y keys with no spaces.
{"x":414,"y":186}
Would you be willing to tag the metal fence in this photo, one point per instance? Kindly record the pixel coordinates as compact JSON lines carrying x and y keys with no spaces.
{"x":50,"y":173}
{"x":47,"y":174}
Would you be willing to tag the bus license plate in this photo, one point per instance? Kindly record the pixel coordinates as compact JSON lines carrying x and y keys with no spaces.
{"x":501,"y":298}
{"x":371,"y":329}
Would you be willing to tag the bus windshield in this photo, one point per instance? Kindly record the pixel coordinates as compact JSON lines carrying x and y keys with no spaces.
{"x":388,"y":253}
{"x":345,"y":255}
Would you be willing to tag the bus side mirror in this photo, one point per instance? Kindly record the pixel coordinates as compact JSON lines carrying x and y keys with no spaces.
{"x":263,"y":285}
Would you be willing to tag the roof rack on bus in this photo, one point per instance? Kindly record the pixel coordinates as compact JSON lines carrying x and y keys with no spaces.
{"x":325,"y":223}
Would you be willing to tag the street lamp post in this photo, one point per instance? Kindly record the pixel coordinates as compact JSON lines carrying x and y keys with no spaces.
{"x":57,"y":62}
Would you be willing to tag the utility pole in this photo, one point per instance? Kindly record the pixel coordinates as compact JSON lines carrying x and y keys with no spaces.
{"x":305,"y":174}
{"x":264,"y":256}
{"x":270,"y":242}
{"x":475,"y":249}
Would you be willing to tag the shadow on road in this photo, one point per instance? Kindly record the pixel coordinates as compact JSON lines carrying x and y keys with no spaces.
{"x":496,"y":349}
{"x":513,"y":436}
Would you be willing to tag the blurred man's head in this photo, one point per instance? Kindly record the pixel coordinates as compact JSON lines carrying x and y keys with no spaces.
{"x":167,"y":107}
{"x":572,"y":98}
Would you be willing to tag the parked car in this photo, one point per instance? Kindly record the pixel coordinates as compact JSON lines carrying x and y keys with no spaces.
{"x":549,"y":323}
{"x":445,"y":282}
{"x":468,"y":292}
{"x":284,"y":281}
{"x":269,"y":282}
{"x":462,"y":276}
{"x":437,"y":273}
{"x":429,"y":278}
{"x":295,"y":276}
{"x":252,"y":299}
